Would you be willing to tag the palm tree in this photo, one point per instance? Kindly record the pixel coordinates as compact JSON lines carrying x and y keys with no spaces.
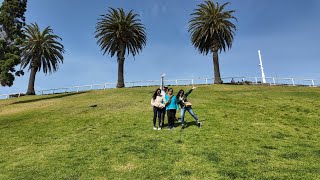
{"x":120,"y":33}
{"x":40,"y":50}
{"x":212,"y":31}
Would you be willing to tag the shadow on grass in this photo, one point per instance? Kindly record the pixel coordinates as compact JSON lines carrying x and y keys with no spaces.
{"x":192,"y":123}
{"x":177,"y":124}
{"x":48,"y":97}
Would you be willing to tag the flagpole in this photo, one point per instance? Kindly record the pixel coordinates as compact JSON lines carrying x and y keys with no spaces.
{"x":262,"y":69}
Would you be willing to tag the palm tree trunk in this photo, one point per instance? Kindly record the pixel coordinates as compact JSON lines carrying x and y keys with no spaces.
{"x":217,"y":77}
{"x":121,"y":59}
{"x":32,"y":79}
{"x":120,"y":83}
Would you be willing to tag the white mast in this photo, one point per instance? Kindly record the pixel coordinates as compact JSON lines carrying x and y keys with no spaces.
{"x":261,"y":67}
{"x":162,"y":81}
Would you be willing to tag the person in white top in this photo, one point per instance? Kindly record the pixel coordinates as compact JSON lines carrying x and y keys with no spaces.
{"x":163,"y":93}
{"x":158,"y":103}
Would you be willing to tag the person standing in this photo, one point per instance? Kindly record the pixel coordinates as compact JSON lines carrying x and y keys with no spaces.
{"x":163,"y":93}
{"x":171,"y":108}
{"x":186,"y":106}
{"x":158,"y":104}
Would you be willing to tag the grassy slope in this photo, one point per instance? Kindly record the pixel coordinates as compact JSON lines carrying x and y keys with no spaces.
{"x":248,"y":132}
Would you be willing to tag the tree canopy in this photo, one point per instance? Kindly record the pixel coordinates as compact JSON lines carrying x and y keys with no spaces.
{"x":12,"y":20}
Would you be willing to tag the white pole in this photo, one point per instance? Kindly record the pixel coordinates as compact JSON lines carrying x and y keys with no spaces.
{"x":162,"y":81}
{"x":261,"y":67}
{"x":292,"y":82}
{"x":274,"y":81}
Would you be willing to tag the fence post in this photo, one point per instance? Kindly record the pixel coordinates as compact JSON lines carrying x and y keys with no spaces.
{"x":293,"y":82}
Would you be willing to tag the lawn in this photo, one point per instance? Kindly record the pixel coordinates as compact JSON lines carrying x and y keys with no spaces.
{"x":249,"y":132}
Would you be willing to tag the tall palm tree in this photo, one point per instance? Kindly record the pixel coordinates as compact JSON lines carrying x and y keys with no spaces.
{"x":212,"y":31}
{"x":120,"y":33}
{"x":40,"y":50}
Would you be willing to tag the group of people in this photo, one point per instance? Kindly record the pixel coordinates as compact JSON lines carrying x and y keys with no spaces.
{"x":164,"y":102}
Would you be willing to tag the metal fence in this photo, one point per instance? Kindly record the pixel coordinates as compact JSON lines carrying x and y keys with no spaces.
{"x":274,"y":81}
{"x":193,"y":81}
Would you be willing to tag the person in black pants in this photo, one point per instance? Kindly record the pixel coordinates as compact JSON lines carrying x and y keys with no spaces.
{"x":171,"y":107}
{"x":164,"y":93}
{"x":157,"y":101}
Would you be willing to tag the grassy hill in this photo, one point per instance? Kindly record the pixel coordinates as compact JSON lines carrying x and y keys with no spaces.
{"x":258,"y":132}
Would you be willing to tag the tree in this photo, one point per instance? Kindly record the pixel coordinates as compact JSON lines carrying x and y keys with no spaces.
{"x":40,"y":50}
{"x":12,"y":21}
{"x":120,"y":33}
{"x":212,"y":31}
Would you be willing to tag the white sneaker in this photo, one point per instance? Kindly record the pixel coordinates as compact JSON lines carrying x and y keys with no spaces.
{"x":154,"y":128}
{"x":159,"y":128}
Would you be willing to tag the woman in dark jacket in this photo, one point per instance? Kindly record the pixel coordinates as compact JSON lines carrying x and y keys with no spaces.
{"x":186,"y":106}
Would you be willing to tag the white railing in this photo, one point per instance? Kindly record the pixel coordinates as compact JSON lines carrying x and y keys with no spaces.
{"x":193,"y":81}
{"x":274,"y":81}
{"x":7,"y":96}
{"x":75,"y":89}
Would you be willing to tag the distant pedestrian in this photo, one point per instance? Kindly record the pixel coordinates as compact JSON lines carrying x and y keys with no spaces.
{"x":158,"y":104}
{"x":186,"y":106}
{"x":232,"y":81}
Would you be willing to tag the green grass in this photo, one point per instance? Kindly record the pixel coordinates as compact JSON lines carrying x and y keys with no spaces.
{"x":249,"y":132}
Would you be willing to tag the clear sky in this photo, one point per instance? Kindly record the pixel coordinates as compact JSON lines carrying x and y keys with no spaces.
{"x":286,"y":31}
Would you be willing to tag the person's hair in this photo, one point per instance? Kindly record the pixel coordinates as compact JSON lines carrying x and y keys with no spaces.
{"x":170,"y":89}
{"x":178,"y":95}
{"x":156,"y":93}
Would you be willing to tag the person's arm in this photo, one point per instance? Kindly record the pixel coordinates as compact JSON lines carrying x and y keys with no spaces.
{"x":152,"y":102}
{"x":169,"y":101}
{"x":163,"y":102}
{"x":178,"y":100}
{"x":189,"y":92}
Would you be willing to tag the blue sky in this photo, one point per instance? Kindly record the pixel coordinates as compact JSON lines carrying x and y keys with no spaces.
{"x":286,"y":31}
